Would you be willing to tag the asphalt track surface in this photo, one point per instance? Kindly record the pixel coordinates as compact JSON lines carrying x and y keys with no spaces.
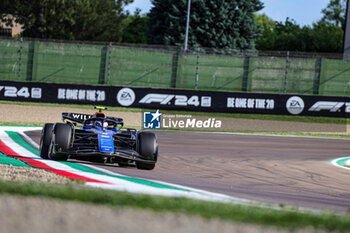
{"x":292,"y":171}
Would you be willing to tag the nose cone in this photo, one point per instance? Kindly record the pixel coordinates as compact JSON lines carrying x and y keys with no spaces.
{"x":106,"y":142}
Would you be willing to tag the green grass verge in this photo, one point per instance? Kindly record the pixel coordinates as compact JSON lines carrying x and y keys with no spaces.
{"x":3,"y":123}
{"x":307,"y":119}
{"x":286,"y":218}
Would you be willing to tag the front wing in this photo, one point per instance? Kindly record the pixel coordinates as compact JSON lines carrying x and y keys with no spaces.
{"x":122,"y":153}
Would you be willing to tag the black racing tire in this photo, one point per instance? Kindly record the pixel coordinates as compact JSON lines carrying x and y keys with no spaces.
{"x":148,"y":149}
{"x":45,"y":140}
{"x":61,"y":142}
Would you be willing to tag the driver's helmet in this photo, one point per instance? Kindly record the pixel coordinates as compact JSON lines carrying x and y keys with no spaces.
{"x":98,"y":124}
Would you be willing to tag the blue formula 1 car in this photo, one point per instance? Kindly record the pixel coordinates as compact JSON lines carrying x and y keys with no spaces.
{"x":99,"y":139}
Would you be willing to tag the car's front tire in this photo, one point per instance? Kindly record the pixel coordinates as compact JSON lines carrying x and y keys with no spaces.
{"x":148,"y":149}
{"x":45,"y":140}
{"x":61,"y":142}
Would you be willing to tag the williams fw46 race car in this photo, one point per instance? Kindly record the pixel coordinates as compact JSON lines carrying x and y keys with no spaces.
{"x":99,"y":139}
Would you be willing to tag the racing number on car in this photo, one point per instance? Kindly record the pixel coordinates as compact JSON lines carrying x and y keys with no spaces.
{"x":10,"y":91}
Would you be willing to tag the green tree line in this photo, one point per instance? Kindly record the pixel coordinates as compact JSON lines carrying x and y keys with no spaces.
{"x":97,"y":20}
{"x":227,"y":24}
{"x":325,"y":35}
{"x":220,"y":24}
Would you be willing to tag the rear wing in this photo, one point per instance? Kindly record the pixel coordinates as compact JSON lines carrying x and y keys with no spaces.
{"x":80,"y":118}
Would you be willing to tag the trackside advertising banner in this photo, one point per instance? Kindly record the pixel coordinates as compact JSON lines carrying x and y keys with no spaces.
{"x":175,"y":99}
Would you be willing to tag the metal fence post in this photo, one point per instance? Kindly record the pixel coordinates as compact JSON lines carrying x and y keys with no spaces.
{"x":101,"y":79}
{"x":109,"y":62}
{"x":20,"y":58}
{"x":346,"y":43}
{"x":197,"y":67}
{"x":286,"y":73}
{"x":245,"y":74}
{"x":317,"y":77}
{"x":174,"y":65}
{"x":31,"y":50}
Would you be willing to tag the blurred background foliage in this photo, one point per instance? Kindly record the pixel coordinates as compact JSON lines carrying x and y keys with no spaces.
{"x":218,"y":24}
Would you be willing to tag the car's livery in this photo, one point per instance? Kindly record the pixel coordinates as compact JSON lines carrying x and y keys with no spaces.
{"x":100,"y":139}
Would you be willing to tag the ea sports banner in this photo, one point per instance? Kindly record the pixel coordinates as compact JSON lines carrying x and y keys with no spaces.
{"x":176,"y":99}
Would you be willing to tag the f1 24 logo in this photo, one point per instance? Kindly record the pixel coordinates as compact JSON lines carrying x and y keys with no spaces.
{"x":25,"y":92}
{"x":179,"y":100}
{"x":329,"y":106}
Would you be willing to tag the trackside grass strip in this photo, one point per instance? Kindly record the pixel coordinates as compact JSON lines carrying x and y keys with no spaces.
{"x":291,"y":219}
{"x":15,"y":124}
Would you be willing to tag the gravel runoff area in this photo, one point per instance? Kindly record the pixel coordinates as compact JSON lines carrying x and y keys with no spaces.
{"x":22,"y":174}
{"x":48,"y":114}
{"x":42,"y":215}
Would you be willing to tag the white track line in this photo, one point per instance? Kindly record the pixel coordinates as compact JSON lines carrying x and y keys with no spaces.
{"x":334,"y":162}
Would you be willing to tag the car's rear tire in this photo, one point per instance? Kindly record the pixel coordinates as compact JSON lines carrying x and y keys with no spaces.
{"x":61,"y":142}
{"x":45,"y":140}
{"x":148,"y":149}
